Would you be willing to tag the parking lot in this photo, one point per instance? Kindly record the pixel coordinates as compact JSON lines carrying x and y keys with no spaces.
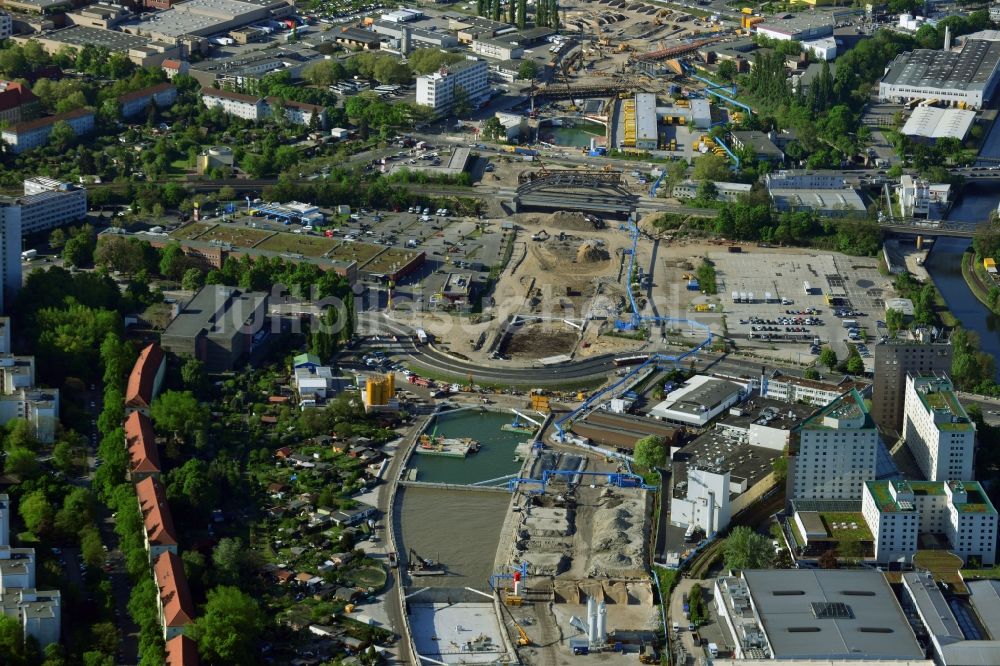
{"x":773,"y":306}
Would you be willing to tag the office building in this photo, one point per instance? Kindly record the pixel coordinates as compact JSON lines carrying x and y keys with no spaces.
{"x":833,"y":452}
{"x":497,"y":49}
{"x":789,"y":388}
{"x":729,"y":192}
{"x":31,"y":134}
{"x":219,"y":326}
{"x":908,"y":353}
{"x":437,"y":90}
{"x":905,"y":516}
{"x":47,"y":203}
{"x":940,"y":435}
{"x":761,"y":143}
{"x":967,"y":78}
{"x":6,"y":26}
{"x":819,"y":616}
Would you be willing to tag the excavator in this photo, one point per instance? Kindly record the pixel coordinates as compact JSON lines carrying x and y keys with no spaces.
{"x":522,"y":637}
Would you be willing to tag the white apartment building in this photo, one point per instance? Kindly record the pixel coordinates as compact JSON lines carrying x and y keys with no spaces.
{"x":5,"y":509}
{"x":17,"y":568}
{"x":937,"y":430}
{"x":247,"y":107}
{"x":10,"y":253}
{"x":300,"y":113}
{"x":6,"y":26}
{"x":31,"y":134}
{"x":797,"y":389}
{"x":37,"y":610}
{"x":833,"y":452}
{"x":437,"y":90}
{"x":48,"y":203}
{"x":898,"y":512}
{"x":40,"y":407}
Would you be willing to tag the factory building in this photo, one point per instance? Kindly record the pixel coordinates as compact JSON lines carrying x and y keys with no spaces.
{"x":421,"y":37}
{"x":800,"y":28}
{"x":816,"y":616}
{"x":379,"y":393}
{"x":437,"y":90}
{"x":698,"y":401}
{"x":904,"y":515}
{"x":909,"y":353}
{"x":141,"y":50}
{"x":966,"y":79}
{"x":721,"y":472}
{"x":646,"y":134}
{"x":825,"y":194}
{"x":833,"y":452}
{"x":938,"y":431}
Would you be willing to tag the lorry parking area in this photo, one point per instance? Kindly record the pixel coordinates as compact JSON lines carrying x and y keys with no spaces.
{"x":800,"y":299}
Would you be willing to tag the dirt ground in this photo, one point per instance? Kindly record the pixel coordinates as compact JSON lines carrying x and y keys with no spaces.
{"x":534,"y":341}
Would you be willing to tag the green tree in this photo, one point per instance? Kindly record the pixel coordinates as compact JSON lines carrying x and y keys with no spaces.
{"x":711,"y":167}
{"x":62,"y":135}
{"x":228,"y":560}
{"x":746,"y":549}
{"x":650,"y":452}
{"x":57,"y":239}
{"x":37,"y":512}
{"x":706,"y":277}
{"x":493,"y":129}
{"x":193,"y":279}
{"x":855,"y":365}
{"x":461,"y":106}
{"x":21,"y":434}
{"x":828,"y":357}
{"x":14,"y":650}
{"x":527,"y":70}
{"x":178,"y":412}
{"x":62,"y":456}
{"x":811,"y":373}
{"x":894,"y":321}
{"x":521,"y":18}
{"x":226,"y":632}
{"x":193,"y":375}
{"x":727,"y":70}
{"x":91,"y":547}
{"x":22,"y":463}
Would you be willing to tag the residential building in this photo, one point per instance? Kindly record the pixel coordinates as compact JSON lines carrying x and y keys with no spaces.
{"x":176,"y":610}
{"x":5,"y":335}
{"x":5,"y":508}
{"x":16,"y":373}
{"x":162,"y":95}
{"x":995,"y":12}
{"x":299,"y":113}
{"x":146,"y":379}
{"x":903,"y":514}
{"x":914,"y":353}
{"x":31,"y":134}
{"x":39,"y":407}
{"x":698,"y":401}
{"x":17,"y":568}
{"x":218,"y":326}
{"x":17,"y":103}
{"x":6,"y":26}
{"x":10,"y":255}
{"x":46,"y":204}
{"x":497,"y":49}
{"x":939,"y":433}
{"x":181,"y":651}
{"x":966,"y":78}
{"x":822,"y":616}
{"x":140,"y":441}
{"x":38,"y":613}
{"x":247,"y":107}
{"x":172,"y":67}
{"x":437,"y":90}
{"x":833,"y":452}
{"x":813,"y":392}
{"x":159,"y":533}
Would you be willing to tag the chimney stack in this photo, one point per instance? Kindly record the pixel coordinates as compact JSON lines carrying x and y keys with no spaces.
{"x":947,"y":38}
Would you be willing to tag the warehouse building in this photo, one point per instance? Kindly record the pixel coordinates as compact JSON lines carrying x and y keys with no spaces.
{"x":957,"y":643}
{"x":142,"y":51}
{"x":646,"y":133}
{"x":826,"y":194}
{"x":201,"y":18}
{"x":930,"y":122}
{"x":967,"y":79}
{"x":822,"y":616}
{"x":799,"y":28}
{"x":698,"y":401}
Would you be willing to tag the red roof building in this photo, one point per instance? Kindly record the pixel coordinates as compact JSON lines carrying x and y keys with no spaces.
{"x":17,"y":103}
{"x":140,"y":439}
{"x":181,"y":651}
{"x":175,"y":606}
{"x":161,"y":536}
{"x":146,"y":379}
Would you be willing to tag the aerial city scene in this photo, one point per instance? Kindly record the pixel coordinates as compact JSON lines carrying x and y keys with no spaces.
{"x":541,"y":332}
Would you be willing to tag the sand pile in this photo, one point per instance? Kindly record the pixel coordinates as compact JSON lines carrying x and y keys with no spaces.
{"x":591,"y":252}
{"x":566,"y":220}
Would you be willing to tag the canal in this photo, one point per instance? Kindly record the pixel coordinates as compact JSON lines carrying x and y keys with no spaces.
{"x":945,"y":266}
{"x":496,"y":448}
{"x":577,"y":133}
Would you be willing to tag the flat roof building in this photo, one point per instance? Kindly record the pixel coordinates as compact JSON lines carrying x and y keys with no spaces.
{"x":909,"y":353}
{"x":698,"y":401}
{"x":206,"y":17}
{"x":966,"y":78}
{"x":937,"y":430}
{"x":763,"y":147}
{"x":646,"y":128}
{"x":800,"y":28}
{"x":142,"y":51}
{"x":952,"y":646}
{"x":218,"y":326}
{"x":830,"y":616}
{"x":437,"y":90}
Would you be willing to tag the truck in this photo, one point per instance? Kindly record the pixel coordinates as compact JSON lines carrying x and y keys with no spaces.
{"x":422,"y":336}
{"x":28,"y":255}
{"x":849,"y":323}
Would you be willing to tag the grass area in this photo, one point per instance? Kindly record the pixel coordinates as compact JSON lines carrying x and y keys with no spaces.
{"x":390,"y":261}
{"x":359,"y":252}
{"x":309,"y":246}
{"x":941,"y":564}
{"x":190,"y":231}
{"x":977,"y":279}
{"x":850,"y":533}
{"x":373,"y":577}
{"x":982,"y":573}
{"x":230,"y":233}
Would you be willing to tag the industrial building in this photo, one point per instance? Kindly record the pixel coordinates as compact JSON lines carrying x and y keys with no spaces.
{"x":421,"y":37}
{"x":724,"y":470}
{"x":379,"y":393}
{"x":833,"y":452}
{"x":939,"y":433}
{"x":201,"y":18}
{"x":906,"y":516}
{"x":646,"y":133}
{"x":619,"y":431}
{"x":497,"y":49}
{"x":698,"y":401}
{"x":957,"y":642}
{"x":729,"y":192}
{"x":764,"y":149}
{"x":919,"y":198}
{"x":966,"y":79}
{"x":437,"y":90}
{"x":798,"y":28}
{"x":914,"y":353}
{"x":826,"y":194}
{"x":293,"y":211}
{"x":828,"y":617}
{"x":218,"y":326}
{"x":141,"y":50}
{"x":47,"y":203}
{"x":930,"y":122}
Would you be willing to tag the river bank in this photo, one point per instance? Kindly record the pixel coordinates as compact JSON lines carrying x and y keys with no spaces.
{"x":976,"y":282}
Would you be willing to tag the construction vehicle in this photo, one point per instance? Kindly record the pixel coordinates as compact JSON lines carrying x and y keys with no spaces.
{"x":522,"y":637}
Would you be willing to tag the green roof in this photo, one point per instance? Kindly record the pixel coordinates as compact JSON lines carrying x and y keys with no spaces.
{"x":977,"y":501}
{"x":304,"y":359}
{"x":940,"y":397}
{"x":849,"y":405}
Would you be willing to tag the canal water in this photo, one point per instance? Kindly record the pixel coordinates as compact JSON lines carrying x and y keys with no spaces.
{"x":496,"y":448}
{"x":458,"y":528}
{"x":578,"y":135}
{"x":945,"y":267}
